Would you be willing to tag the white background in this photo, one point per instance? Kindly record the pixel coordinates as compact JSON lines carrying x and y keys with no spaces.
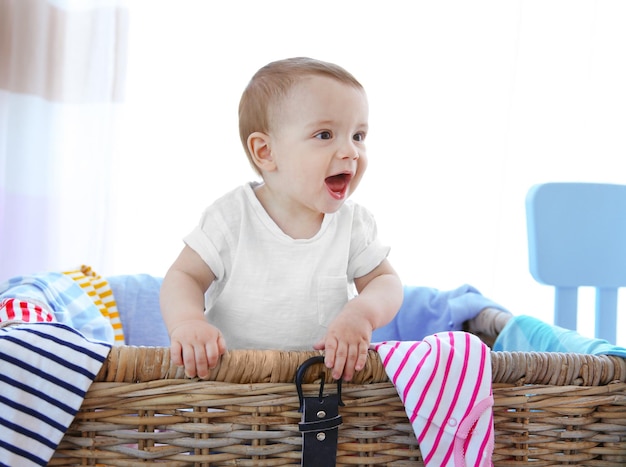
{"x":470,"y":104}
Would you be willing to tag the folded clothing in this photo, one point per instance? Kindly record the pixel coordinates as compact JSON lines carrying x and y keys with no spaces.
{"x":101,"y":294}
{"x":58,"y":294}
{"x":137,"y":297}
{"x":444,"y":383}
{"x":13,"y":311}
{"x":426,"y":311}
{"x":47,"y":369}
{"x":527,"y":334}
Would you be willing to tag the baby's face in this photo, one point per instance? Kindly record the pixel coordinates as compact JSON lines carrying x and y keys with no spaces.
{"x":318,"y":143}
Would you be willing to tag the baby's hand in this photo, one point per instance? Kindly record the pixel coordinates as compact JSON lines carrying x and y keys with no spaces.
{"x":346,"y":344}
{"x":196,"y":345}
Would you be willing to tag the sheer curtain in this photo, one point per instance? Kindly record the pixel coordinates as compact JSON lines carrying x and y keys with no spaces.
{"x":62,"y":69}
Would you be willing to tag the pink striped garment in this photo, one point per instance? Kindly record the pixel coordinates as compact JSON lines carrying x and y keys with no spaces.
{"x":444,"y":382}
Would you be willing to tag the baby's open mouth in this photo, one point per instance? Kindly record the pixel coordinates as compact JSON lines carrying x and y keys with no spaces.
{"x":338,"y":184}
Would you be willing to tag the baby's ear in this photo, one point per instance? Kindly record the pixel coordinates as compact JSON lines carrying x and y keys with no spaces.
{"x":260,"y":151}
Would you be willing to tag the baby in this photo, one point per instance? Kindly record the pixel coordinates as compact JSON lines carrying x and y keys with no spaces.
{"x":275,"y":264}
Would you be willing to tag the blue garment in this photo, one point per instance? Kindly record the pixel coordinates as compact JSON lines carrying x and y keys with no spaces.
{"x":65,"y":298}
{"x":137,"y":298}
{"x":426,"y":311}
{"x":527,"y":334}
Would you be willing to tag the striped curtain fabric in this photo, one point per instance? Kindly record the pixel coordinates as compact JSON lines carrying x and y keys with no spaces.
{"x":62,"y":75}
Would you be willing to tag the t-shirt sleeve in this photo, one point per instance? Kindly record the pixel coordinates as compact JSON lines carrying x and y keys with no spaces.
{"x":366,"y":250}
{"x":205,"y":241}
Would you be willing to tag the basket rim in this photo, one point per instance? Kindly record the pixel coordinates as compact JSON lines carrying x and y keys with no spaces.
{"x":131,"y":364}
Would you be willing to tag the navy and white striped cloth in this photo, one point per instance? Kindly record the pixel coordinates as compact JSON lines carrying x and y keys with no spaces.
{"x":45,"y":371}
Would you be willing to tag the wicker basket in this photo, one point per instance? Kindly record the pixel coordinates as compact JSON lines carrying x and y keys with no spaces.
{"x":550,"y":409}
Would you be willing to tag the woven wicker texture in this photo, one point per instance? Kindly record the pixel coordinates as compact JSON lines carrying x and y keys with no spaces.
{"x":550,"y":409}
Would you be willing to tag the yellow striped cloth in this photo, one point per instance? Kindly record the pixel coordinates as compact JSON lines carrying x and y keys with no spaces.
{"x":101,"y":294}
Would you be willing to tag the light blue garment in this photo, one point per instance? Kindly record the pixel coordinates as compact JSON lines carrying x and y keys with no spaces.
{"x":426,"y":311}
{"x":137,"y":298}
{"x":527,"y":334}
{"x":65,"y":298}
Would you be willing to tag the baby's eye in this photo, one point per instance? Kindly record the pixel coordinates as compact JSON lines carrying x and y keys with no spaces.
{"x":359,"y":137}
{"x":324,"y":135}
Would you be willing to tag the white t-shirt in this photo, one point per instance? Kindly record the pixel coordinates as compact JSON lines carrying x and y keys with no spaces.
{"x":272,"y":291}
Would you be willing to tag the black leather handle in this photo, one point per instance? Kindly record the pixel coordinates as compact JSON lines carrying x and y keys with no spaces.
{"x":320,"y":421}
{"x":300,"y":376}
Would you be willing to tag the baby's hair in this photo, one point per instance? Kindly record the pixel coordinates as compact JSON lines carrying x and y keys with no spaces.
{"x":271,"y":83}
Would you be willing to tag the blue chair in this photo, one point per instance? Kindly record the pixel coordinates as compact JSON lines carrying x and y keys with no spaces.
{"x":577,"y":238}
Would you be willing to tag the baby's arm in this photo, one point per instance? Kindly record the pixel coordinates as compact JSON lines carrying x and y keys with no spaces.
{"x":348,"y":337}
{"x":195,"y":344}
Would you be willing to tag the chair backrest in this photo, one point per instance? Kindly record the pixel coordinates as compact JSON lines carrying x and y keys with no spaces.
{"x":577,"y":237}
